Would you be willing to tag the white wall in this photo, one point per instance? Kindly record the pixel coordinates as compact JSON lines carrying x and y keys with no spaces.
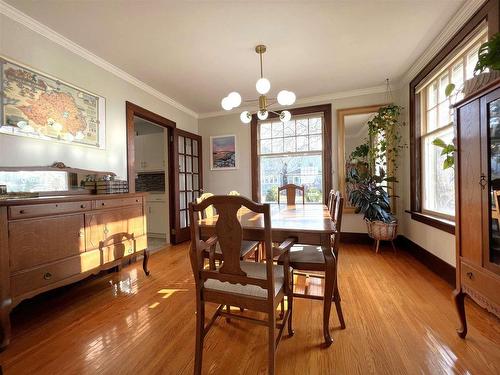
{"x":20,"y":43}
{"x":221,"y":182}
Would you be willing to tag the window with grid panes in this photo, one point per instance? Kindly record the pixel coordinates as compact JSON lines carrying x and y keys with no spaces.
{"x":438,"y":186}
{"x":291,"y":153}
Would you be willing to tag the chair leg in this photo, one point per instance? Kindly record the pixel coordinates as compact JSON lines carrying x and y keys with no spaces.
{"x":377,"y":246}
{"x":327,"y":301}
{"x":228,"y":310}
{"x":271,"y":362}
{"x":290,"y":308}
{"x":282,"y":309}
{"x":393,"y":246}
{"x":200,"y":335}
{"x":338,"y":306}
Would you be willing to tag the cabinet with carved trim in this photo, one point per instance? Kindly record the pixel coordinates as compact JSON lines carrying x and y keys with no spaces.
{"x":477,"y":202}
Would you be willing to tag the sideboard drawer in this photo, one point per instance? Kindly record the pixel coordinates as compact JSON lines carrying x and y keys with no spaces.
{"x":111,"y":203}
{"x":479,"y":280}
{"x":46,"y":209}
{"x":27,"y":281}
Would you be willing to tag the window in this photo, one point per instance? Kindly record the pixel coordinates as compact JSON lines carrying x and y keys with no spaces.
{"x":294,"y":152}
{"x":291,"y":153}
{"x":438,"y":193}
{"x":34,"y":181}
{"x":432,"y":188}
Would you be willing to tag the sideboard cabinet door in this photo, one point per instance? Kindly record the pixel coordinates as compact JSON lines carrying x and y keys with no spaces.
{"x":38,"y":241}
{"x":107,"y":224}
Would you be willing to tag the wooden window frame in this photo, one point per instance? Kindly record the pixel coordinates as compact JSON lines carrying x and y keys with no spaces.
{"x":489,"y":12}
{"x":326,"y":111}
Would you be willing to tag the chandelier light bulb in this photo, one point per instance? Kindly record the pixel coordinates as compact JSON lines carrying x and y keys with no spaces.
{"x":235,"y":99}
{"x":285,"y":116}
{"x":245,"y":117}
{"x":262,"y":115}
{"x":226,"y":103}
{"x":286,"y":97}
{"x":263,"y":86}
{"x":283,"y":97}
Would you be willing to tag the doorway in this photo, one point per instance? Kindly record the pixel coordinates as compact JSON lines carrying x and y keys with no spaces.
{"x":178,"y":168}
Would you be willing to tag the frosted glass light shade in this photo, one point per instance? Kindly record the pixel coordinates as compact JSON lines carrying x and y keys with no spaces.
{"x":263,"y":86}
{"x":226,"y":103}
{"x":262,"y":115}
{"x":285,"y":116}
{"x":245,"y":117}
{"x":235,"y":99}
{"x":286,"y":97}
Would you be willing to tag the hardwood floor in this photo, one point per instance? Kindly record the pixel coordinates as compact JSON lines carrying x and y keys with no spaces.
{"x":399,"y":317}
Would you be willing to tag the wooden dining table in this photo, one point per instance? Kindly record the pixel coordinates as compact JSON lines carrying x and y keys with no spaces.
{"x":310,"y":224}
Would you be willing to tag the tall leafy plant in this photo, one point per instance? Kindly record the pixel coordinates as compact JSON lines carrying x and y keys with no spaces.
{"x":368,"y":176}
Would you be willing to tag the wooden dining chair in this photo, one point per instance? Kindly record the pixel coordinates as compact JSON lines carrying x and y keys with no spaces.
{"x":291,"y":192}
{"x":253,"y":286}
{"x":315,"y":259}
{"x":248,"y":248}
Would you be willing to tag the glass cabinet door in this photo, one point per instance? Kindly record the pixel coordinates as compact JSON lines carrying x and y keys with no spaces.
{"x":493,"y":129}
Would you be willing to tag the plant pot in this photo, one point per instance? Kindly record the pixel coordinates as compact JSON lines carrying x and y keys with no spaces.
{"x":481,"y":80}
{"x":380,"y":231}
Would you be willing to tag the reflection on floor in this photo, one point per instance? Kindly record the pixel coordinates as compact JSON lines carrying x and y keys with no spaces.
{"x":399,"y":317}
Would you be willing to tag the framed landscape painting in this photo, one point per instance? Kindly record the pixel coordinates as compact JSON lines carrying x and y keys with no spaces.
{"x":223,"y":152}
{"x":36,"y":105}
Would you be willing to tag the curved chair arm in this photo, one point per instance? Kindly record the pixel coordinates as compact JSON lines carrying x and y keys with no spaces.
{"x":284,"y":247}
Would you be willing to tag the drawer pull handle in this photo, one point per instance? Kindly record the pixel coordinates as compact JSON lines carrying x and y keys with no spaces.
{"x":47,"y":275}
{"x":80,"y":234}
{"x":22,"y":211}
{"x":82,"y":206}
{"x":470,"y":275}
{"x":102,"y":204}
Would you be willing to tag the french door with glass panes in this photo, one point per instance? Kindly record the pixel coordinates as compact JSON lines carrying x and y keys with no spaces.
{"x":188,"y":181}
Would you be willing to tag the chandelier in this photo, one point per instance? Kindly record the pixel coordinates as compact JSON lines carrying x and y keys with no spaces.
{"x":284,"y":98}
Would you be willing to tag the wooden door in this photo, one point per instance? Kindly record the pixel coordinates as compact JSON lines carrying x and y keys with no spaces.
{"x":470,"y":191}
{"x":188,"y":181}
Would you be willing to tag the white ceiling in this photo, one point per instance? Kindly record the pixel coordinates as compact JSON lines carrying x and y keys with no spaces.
{"x":197,"y":52}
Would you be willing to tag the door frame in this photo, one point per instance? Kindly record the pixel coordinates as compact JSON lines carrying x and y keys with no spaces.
{"x":133,"y":110}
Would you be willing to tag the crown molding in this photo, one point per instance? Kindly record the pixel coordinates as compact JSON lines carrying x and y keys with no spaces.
{"x":38,"y":27}
{"x":303,"y":101}
{"x":452,"y":27}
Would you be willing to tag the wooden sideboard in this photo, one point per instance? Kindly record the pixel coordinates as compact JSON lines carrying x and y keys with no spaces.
{"x":49,"y":242}
{"x":477,"y":175}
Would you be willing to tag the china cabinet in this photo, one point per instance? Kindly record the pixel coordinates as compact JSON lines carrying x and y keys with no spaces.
{"x":478,"y":201}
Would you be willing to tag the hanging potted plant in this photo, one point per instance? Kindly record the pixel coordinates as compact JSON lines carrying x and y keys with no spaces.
{"x":371,"y":186}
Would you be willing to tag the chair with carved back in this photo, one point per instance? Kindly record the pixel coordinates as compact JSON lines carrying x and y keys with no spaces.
{"x":248,"y":248}
{"x":291,"y":192}
{"x":252,"y":286}
{"x":314,"y":259}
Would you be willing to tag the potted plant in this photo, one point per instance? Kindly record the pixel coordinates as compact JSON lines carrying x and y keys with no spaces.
{"x":488,"y":59}
{"x":368,"y":177}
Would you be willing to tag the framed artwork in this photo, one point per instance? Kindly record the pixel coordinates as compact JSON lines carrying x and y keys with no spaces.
{"x":36,"y":105}
{"x":223,"y":152}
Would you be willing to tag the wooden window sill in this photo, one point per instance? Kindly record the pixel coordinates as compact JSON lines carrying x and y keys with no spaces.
{"x":439,"y":223}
